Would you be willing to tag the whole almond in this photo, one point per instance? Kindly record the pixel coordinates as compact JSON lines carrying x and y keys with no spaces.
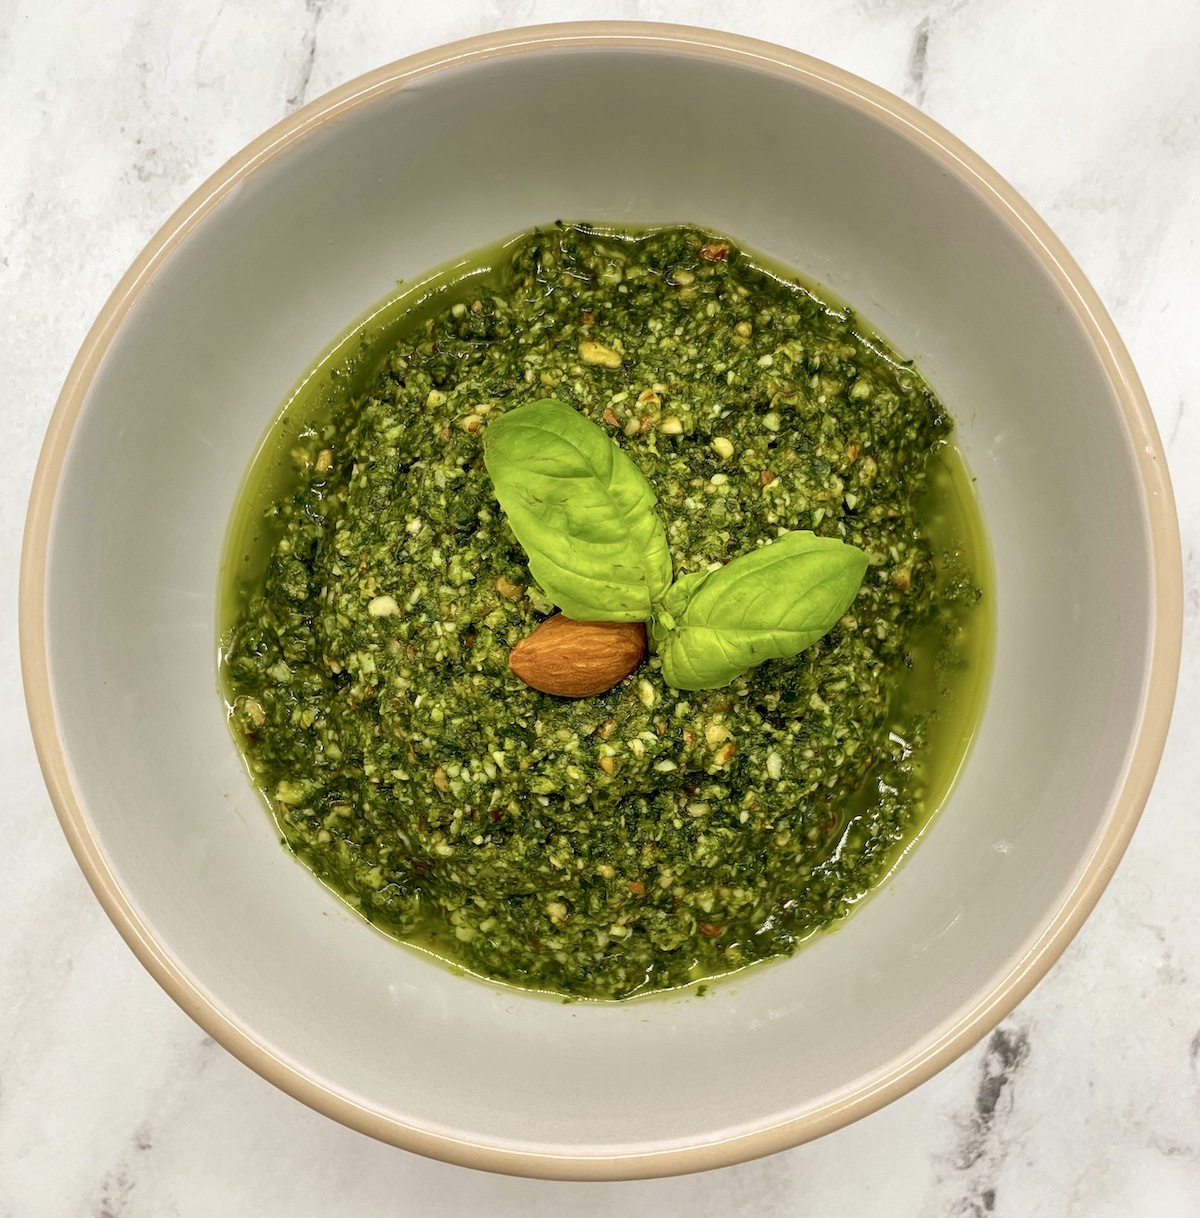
{"x":578,"y":659}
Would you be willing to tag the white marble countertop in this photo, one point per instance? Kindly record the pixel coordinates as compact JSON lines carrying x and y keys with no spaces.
{"x":1085,"y":1103}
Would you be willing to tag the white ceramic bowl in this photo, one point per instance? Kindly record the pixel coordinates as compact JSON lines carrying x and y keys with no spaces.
{"x":391,"y":175}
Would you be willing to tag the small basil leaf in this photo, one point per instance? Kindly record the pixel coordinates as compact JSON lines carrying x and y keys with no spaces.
{"x":583,"y":512}
{"x":769,"y":604}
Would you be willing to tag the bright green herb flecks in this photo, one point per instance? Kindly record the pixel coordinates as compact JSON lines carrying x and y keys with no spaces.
{"x":585,"y":516}
{"x":649,"y":836}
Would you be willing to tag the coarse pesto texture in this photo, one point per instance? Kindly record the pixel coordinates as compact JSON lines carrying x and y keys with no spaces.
{"x":645,"y":837}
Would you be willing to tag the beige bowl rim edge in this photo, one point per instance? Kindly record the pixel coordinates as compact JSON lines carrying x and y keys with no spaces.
{"x":1022,"y":972}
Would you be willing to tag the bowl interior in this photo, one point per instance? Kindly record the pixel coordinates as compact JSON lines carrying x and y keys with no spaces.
{"x":388,"y":189}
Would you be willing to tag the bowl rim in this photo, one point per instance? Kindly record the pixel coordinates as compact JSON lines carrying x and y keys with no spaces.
{"x":921,"y":1060}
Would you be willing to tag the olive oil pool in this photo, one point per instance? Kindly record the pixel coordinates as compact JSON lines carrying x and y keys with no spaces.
{"x":648,"y":837}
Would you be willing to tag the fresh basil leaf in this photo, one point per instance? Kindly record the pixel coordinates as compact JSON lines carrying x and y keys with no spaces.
{"x":766,"y":605}
{"x":583,"y":512}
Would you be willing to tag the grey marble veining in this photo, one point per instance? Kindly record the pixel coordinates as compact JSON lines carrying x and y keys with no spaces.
{"x":1085,"y":1103}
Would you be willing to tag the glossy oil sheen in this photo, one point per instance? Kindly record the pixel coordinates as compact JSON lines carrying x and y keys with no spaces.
{"x":150,"y":442}
{"x":950,"y":702}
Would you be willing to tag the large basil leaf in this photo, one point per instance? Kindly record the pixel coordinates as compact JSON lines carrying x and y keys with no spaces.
{"x":771,"y":603}
{"x":582,"y":510}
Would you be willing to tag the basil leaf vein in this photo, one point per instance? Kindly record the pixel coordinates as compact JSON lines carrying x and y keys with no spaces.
{"x":769,"y":604}
{"x":582,"y":511}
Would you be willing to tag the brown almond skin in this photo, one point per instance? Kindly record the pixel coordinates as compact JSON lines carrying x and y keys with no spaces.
{"x":578,"y":659}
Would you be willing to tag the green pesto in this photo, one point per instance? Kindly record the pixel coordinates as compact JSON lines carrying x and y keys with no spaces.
{"x":647,"y":837}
